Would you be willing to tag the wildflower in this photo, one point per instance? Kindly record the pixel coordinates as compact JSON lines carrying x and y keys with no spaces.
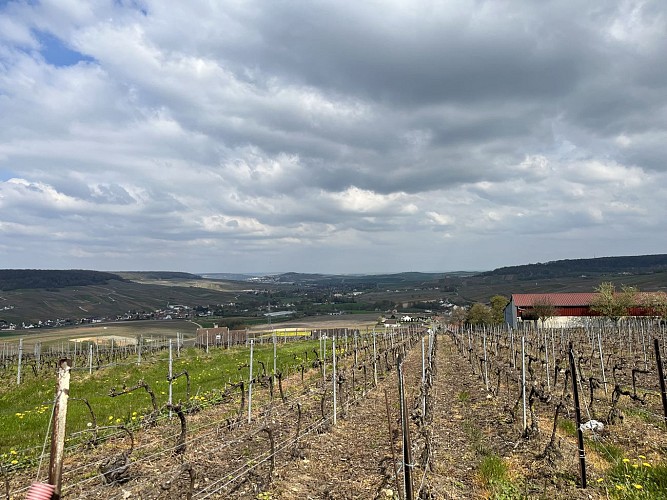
{"x":12,"y":452}
{"x":634,"y":466}
{"x":637,"y":486}
{"x":626,"y":460}
{"x":89,"y":424}
{"x":14,"y":462}
{"x":646,"y":464}
{"x":620,"y":487}
{"x":642,"y":457}
{"x":134,"y":413}
{"x":118,"y":420}
{"x":110,"y":417}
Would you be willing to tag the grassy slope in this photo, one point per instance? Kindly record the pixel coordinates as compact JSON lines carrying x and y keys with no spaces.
{"x":25,"y":409}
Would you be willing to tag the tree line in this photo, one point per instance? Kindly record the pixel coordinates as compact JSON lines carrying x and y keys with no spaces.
{"x":19,"y":279}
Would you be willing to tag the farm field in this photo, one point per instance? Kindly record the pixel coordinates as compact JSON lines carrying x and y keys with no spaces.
{"x":132,"y":329}
{"x":464,"y":421}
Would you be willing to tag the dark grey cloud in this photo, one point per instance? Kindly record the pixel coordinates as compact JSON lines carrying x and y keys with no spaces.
{"x":290,"y":134}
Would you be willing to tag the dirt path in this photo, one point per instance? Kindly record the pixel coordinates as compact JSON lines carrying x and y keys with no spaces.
{"x":353,"y":460}
{"x":456,"y":432}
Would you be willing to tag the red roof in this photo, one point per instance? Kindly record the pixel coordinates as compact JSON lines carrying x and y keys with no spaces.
{"x":555,"y":299}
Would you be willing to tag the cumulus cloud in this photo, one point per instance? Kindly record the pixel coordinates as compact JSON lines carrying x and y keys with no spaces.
{"x":248,"y":136}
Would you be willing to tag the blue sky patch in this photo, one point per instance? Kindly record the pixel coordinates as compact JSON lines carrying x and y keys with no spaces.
{"x":56,"y":53}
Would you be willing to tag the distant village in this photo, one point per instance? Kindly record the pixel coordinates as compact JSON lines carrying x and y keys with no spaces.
{"x":174,"y":311}
{"x":389,"y":318}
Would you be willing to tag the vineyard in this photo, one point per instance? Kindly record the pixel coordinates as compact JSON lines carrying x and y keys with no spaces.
{"x":407,"y":413}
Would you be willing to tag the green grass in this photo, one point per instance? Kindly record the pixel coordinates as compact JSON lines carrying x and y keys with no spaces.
{"x":636,"y":478}
{"x":463,"y":396}
{"x":643,"y":414}
{"x":567,"y":426}
{"x":609,"y":452}
{"x":493,"y":472}
{"x":25,"y":410}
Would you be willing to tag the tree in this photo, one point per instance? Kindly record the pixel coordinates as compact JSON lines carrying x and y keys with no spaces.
{"x":479,"y":314}
{"x":655,"y":303}
{"x":459,"y":315}
{"x":612,"y":304}
{"x":498,"y":303}
{"x":544,"y":309}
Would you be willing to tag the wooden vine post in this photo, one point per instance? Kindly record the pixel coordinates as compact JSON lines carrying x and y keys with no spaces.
{"x":661,"y":376}
{"x":577,"y":413}
{"x":58,"y":433}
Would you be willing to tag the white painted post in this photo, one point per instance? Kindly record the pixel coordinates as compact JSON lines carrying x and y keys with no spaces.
{"x":375,"y":365}
{"x":274,"y":352}
{"x":90,"y":359}
{"x":523,"y":378}
{"x":18,"y":373}
{"x":356,"y":346}
{"x":513,"y":353}
{"x":58,"y":432}
{"x":546,"y":357}
{"x":171,"y":365}
{"x":486,"y":363}
{"x":423,"y":380}
{"x":334,"y":381}
{"x":252,"y":346}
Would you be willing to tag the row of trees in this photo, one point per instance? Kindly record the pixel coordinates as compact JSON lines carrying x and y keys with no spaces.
{"x":483,"y":314}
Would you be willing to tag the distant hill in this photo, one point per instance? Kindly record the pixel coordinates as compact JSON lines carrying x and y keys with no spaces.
{"x":157,"y":275}
{"x":18,"y":279}
{"x":231,"y":276}
{"x":361,"y":280}
{"x":641,"y":264}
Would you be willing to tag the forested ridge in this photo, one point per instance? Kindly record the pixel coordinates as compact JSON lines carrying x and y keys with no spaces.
{"x":640,"y":264}
{"x":17,"y":279}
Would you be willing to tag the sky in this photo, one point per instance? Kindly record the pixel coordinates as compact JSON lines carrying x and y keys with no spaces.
{"x":330,"y":136}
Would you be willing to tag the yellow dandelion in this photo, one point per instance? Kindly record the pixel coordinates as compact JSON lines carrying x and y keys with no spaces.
{"x":642,"y":457}
{"x":600,"y":479}
{"x":638,"y":486}
{"x":626,"y":460}
{"x":620,"y":487}
{"x":646,"y":464}
{"x":634,"y":466}
{"x":118,"y":420}
{"x":110,"y":417}
{"x":14,"y":462}
{"x":134,"y":413}
{"x":12,"y":452}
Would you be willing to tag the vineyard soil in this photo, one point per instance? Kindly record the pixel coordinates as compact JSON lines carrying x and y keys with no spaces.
{"x":477,"y":449}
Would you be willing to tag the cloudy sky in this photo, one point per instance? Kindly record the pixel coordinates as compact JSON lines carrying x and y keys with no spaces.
{"x":330,"y":136}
